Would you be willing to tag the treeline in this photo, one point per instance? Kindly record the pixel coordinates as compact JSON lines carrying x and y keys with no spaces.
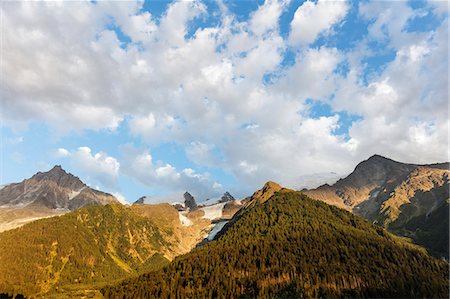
{"x":295,"y":247}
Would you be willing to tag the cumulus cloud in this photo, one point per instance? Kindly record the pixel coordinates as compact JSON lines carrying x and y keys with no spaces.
{"x":223,"y":92}
{"x":265,"y":18}
{"x":404,"y":106}
{"x":202,"y":153}
{"x":164,"y":177}
{"x":62,"y":153}
{"x":314,"y":18}
{"x":99,"y":166}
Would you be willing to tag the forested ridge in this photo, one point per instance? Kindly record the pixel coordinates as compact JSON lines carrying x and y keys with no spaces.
{"x":80,"y":250}
{"x":293,"y":246}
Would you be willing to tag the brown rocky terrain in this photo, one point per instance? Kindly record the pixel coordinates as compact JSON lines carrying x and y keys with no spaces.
{"x":394,"y":195}
{"x":46,"y":194}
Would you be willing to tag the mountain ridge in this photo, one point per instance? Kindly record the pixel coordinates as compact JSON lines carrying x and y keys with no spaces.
{"x":46,"y":194}
{"x":389,"y":193}
{"x":54,"y":189}
{"x":290,"y":246}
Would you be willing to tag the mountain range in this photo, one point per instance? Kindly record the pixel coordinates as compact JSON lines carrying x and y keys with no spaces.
{"x":100,"y":241}
{"x":332,"y":241}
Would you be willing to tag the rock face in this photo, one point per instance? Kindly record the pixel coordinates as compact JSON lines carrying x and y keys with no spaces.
{"x":189,"y":201}
{"x":140,"y":201}
{"x":365,"y":182}
{"x":405,"y":198}
{"x":54,"y":189}
{"x":226,"y":197}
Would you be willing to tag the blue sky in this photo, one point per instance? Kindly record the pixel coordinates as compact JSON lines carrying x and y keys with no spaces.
{"x":152,"y":98}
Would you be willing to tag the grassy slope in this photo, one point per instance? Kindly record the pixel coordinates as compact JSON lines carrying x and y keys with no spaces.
{"x":292,"y":246}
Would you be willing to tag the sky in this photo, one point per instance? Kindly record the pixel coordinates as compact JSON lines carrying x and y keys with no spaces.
{"x":154,"y":98}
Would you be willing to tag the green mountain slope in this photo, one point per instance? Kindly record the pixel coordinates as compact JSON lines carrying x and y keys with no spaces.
{"x":293,"y":246}
{"x":85,"y":249}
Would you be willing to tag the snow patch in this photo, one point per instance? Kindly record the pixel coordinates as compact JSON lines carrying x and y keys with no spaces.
{"x":210,"y":201}
{"x":171,"y":198}
{"x":215,"y":230}
{"x":375,"y":194}
{"x":214,"y":211}
{"x":184,"y":220}
{"x":73,"y":194}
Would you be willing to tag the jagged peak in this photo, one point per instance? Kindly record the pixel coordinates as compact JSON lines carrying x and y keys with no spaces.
{"x":226,"y":197}
{"x":189,"y":201}
{"x":61,"y":177}
{"x":58,"y":169}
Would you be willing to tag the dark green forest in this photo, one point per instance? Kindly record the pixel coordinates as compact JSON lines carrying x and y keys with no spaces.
{"x":294,"y":247}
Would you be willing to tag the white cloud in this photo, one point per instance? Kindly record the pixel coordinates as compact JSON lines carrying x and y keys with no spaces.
{"x":441,"y":8}
{"x":313,"y":74}
{"x":312,"y":19}
{"x":99,"y":166}
{"x":202,"y":153}
{"x":62,"y":153}
{"x":404,"y":106}
{"x":165,"y":178}
{"x":207,"y":92}
{"x":265,"y":18}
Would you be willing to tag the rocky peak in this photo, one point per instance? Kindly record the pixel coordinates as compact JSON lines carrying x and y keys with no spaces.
{"x":377,"y":160}
{"x":226,"y":197}
{"x":376,"y":171}
{"x":53,"y":189}
{"x":189,"y":201}
{"x":140,"y":201}
{"x":58,"y":175}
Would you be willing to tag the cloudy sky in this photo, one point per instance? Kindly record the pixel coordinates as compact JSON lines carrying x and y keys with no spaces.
{"x":207,"y":96}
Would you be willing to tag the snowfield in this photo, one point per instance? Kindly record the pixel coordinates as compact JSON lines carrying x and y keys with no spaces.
{"x":75,"y":193}
{"x":171,"y":198}
{"x":184,"y":220}
{"x":213,"y":212}
{"x":216,"y":229}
